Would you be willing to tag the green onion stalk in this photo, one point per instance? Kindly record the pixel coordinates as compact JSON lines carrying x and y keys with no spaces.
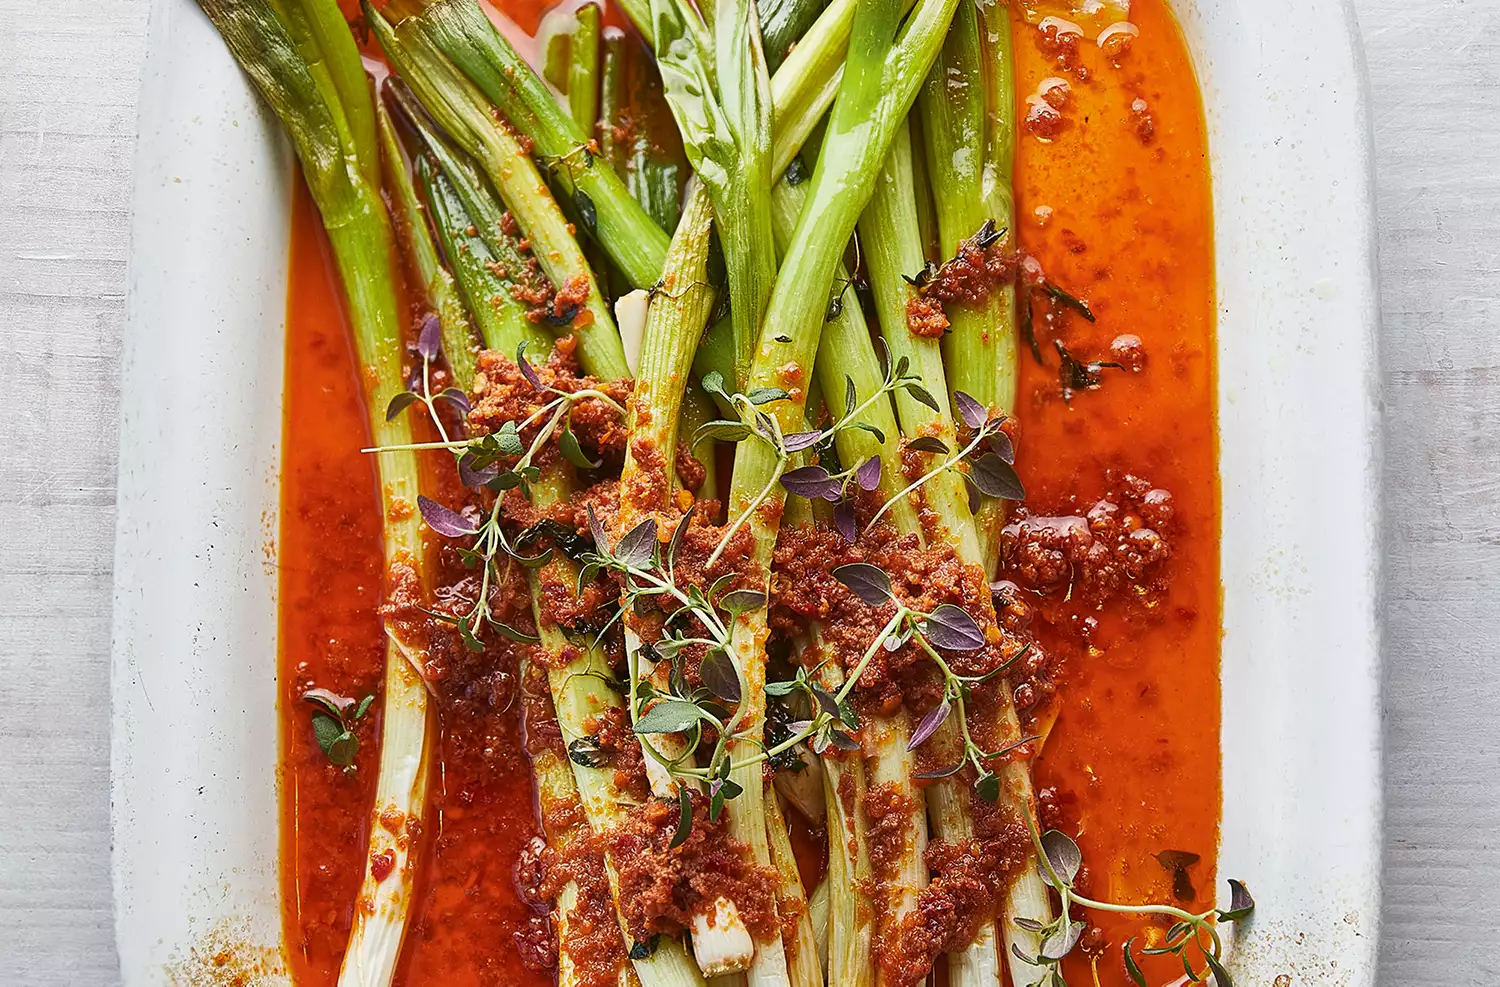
{"x":304,"y":62}
{"x":804,"y":964}
{"x":678,"y":311}
{"x":410,"y":217}
{"x":555,"y":776}
{"x":721,"y":100}
{"x":571,"y":60}
{"x":460,"y":30}
{"x":878,"y":88}
{"x":846,"y":360}
{"x":625,"y":135}
{"x":968,"y":108}
{"x":968,"y":124}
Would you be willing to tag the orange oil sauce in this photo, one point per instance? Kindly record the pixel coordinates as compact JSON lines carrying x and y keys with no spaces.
{"x":1127,"y":224}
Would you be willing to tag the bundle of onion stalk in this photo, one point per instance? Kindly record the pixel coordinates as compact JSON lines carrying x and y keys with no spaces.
{"x":906,"y":443}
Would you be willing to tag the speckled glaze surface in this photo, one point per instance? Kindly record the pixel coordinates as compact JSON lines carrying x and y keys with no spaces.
{"x":194,"y":734}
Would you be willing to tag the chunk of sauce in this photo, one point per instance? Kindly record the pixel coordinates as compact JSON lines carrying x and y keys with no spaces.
{"x":1119,"y":220}
{"x":1126,"y":223}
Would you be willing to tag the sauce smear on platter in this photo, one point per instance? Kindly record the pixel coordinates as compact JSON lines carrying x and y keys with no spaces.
{"x":1113,"y":200}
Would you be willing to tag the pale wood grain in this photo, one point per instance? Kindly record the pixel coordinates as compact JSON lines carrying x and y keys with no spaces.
{"x":1435,"y":75}
{"x":68,"y":80}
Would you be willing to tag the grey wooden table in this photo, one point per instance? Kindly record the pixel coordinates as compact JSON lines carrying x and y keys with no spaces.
{"x":68,"y":78}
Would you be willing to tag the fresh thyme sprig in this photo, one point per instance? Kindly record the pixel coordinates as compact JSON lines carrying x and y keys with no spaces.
{"x":949,"y":628}
{"x":1192,"y":938}
{"x":813,"y":481}
{"x":992,"y":472}
{"x":480,"y":460}
{"x":702,"y":619}
{"x":429,"y":348}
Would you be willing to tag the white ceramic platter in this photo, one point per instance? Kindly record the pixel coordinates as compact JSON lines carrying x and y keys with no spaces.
{"x":195,"y":744}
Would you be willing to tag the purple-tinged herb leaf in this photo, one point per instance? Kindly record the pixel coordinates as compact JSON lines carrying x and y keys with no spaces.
{"x":601,"y":540}
{"x":843,"y":520}
{"x":928,"y":443}
{"x":812,"y":482}
{"x":971,"y":411}
{"x":1075,"y":375}
{"x":680,"y":532}
{"x":929,"y":724}
{"x":868,"y":474}
{"x":826,"y":702}
{"x":1027,"y":328}
{"x":588,"y":215}
{"x":430,"y":339}
{"x":527,"y":370}
{"x":1062,"y":854}
{"x":400,"y":403}
{"x":1240,"y":903}
{"x":976,"y":499}
{"x":336,"y":704}
{"x":798,"y":441}
{"x":456,"y":397}
{"x":444,"y":520}
{"x":1068,"y":300}
{"x":1176,"y":863}
{"x":1003,"y":446}
{"x":719,"y":676}
{"x":952,"y":629}
{"x":842,"y":740}
{"x":997,"y":478}
{"x":638,"y":543}
{"x":1061,"y":942}
{"x":866,"y":581}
